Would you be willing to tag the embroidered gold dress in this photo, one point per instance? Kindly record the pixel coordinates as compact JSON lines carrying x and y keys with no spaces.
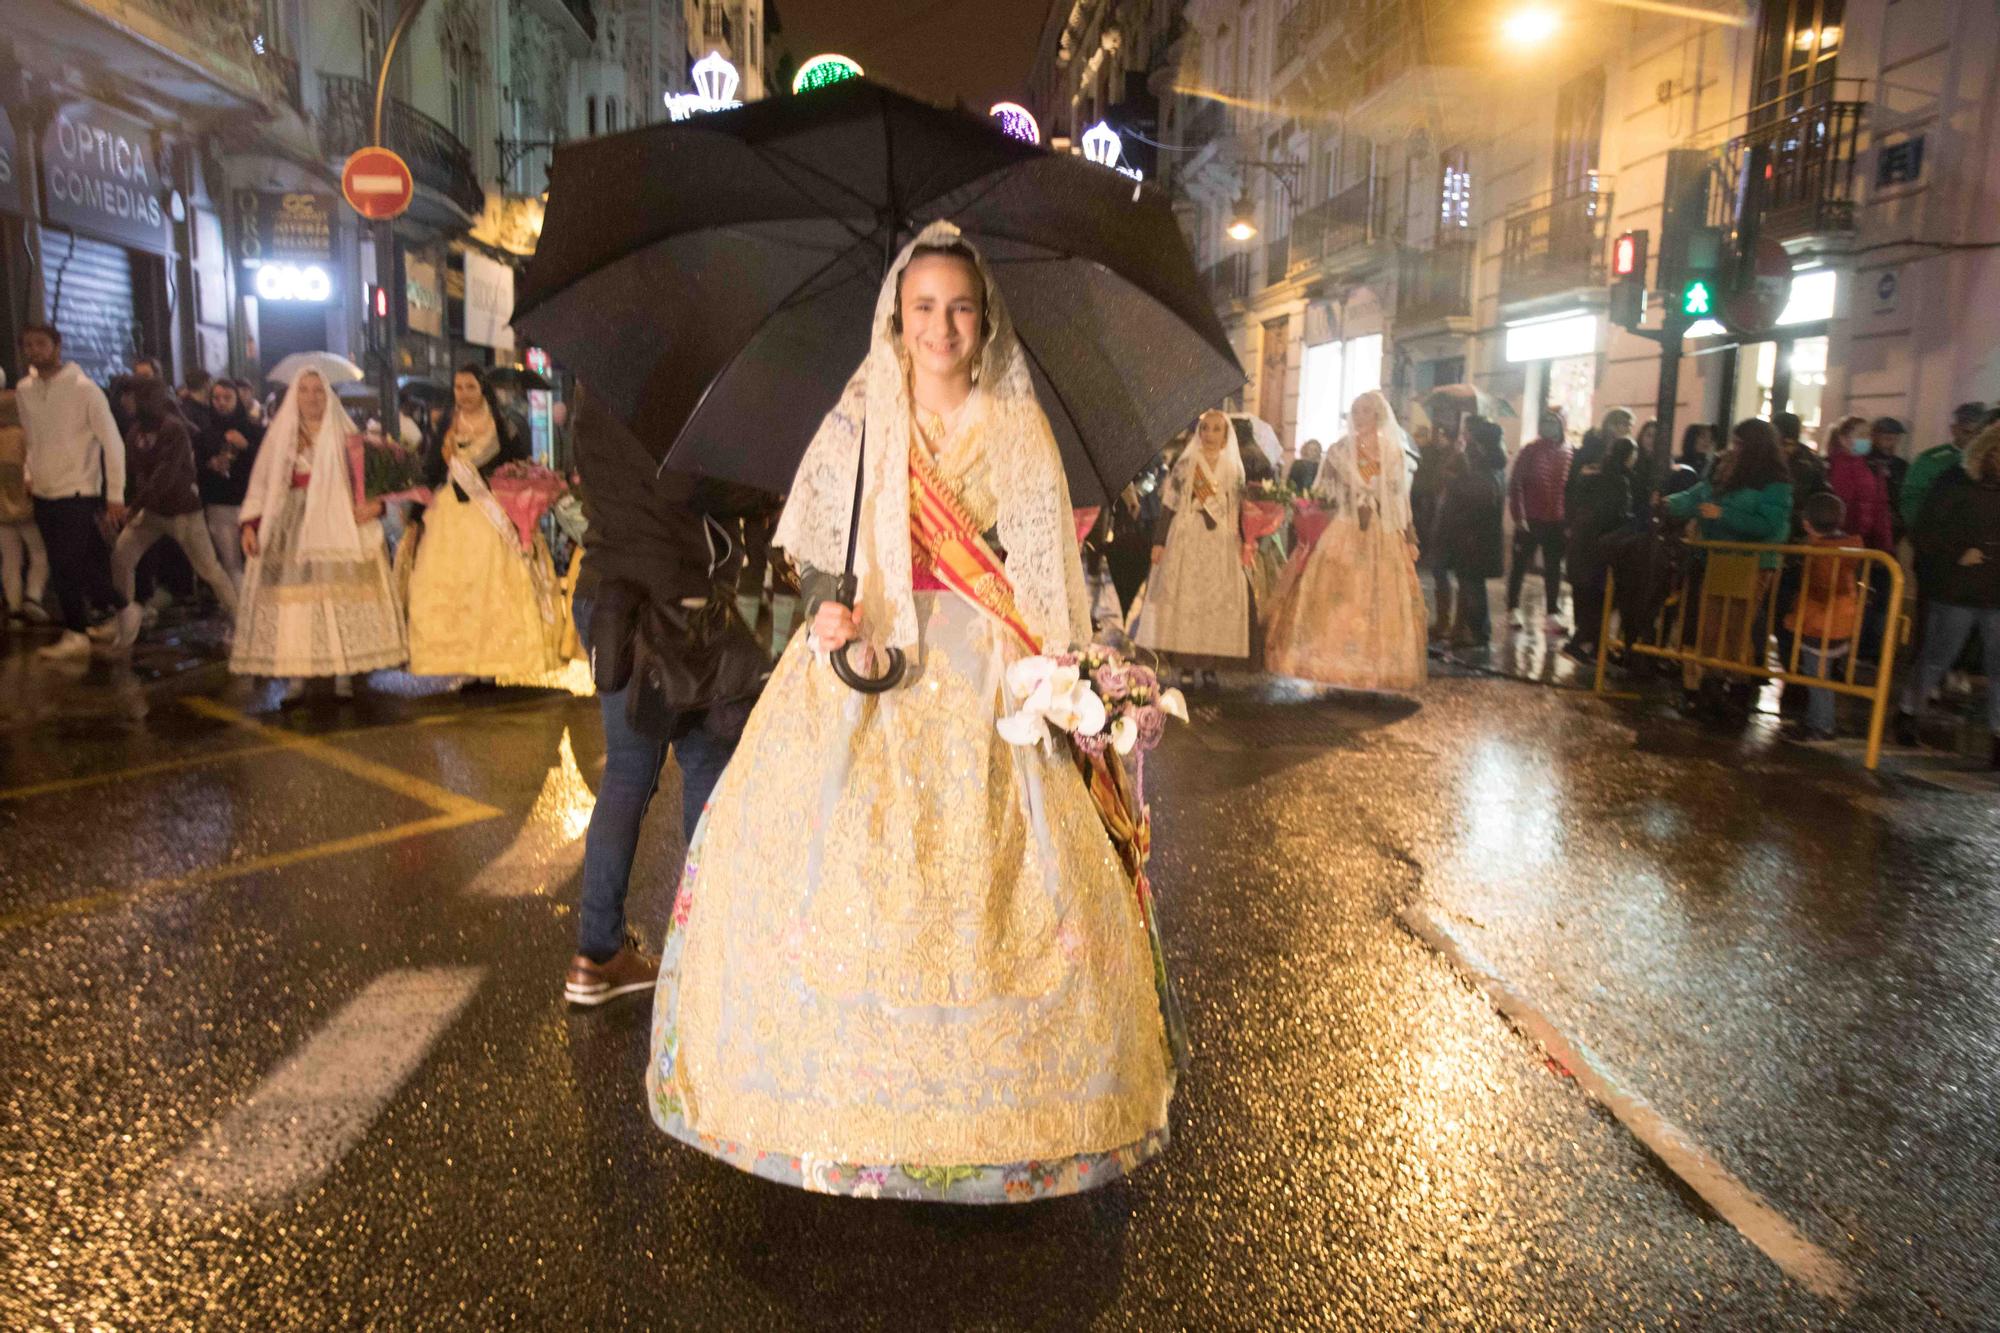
{"x":905,"y":961}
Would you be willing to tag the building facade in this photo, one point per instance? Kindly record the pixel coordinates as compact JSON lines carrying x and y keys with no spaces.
{"x":170,"y":169}
{"x":1404,"y":194}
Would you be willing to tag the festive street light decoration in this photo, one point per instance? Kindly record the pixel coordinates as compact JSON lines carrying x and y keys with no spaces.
{"x":1016,"y":122}
{"x":1102,"y":145}
{"x":821,"y":71}
{"x":715,"y":81}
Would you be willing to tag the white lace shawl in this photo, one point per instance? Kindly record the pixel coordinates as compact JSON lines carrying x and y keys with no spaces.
{"x":1225,"y":474}
{"x":1035,"y":524}
{"x":329,"y":530}
{"x":1339,"y":477}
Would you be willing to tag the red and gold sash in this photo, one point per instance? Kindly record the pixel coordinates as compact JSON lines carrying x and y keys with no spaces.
{"x":945,"y":544}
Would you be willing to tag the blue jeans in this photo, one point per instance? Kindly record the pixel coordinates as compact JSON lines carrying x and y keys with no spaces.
{"x":1820,"y":703}
{"x":632,"y":763}
{"x":1945,"y":633}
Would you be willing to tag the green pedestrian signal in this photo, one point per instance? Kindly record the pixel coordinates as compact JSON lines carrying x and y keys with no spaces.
{"x":1698,"y":298}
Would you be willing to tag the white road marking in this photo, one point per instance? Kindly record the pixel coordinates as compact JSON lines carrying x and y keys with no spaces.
{"x":1745,"y":1209}
{"x":549,"y":847}
{"x":316,"y":1107}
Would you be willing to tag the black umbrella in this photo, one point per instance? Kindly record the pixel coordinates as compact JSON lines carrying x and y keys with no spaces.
{"x":516,"y":379}
{"x":713,"y":281}
{"x":429,"y":392}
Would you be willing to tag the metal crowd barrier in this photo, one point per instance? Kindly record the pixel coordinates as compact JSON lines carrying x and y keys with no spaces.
{"x":1750,"y":623}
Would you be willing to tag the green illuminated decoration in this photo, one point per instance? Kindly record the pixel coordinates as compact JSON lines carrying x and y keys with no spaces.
{"x":1698,"y":298}
{"x":824,"y":71}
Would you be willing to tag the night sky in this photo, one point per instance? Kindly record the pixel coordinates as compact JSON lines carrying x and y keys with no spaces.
{"x":941,"y":50}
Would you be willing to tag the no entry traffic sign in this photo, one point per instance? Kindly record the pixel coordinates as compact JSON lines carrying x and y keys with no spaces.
{"x":377,"y":184}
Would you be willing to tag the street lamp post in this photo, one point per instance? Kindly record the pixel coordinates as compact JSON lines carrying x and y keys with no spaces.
{"x":1243,"y":225}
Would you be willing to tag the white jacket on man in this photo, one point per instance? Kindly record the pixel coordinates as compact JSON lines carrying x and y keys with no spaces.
{"x":73,"y":444}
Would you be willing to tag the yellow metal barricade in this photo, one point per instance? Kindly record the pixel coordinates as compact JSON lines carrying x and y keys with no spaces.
{"x":1735,"y":601}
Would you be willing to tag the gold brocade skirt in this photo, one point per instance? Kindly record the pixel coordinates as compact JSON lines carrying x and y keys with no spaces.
{"x":478,"y":605}
{"x":905,"y":961}
{"x":1350,"y":612}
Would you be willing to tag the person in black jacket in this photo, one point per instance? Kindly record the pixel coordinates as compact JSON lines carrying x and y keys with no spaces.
{"x":225,"y":449}
{"x":1957,"y":534}
{"x":649,"y":536}
{"x":1599,"y":504}
{"x":1470,"y":518}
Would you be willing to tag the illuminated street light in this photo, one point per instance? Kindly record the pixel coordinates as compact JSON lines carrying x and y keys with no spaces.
{"x":1016,"y":122}
{"x":823,"y":71}
{"x":1529,"y":27}
{"x":1102,"y":145}
{"x":1243,"y":225}
{"x":715,"y":81}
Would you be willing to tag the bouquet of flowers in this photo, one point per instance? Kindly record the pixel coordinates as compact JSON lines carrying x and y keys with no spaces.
{"x":525,"y":491}
{"x":1109,"y":710}
{"x":1276,"y":491}
{"x":386,"y":469}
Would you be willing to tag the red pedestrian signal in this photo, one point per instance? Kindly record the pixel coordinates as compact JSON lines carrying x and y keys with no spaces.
{"x":1628,"y":256}
{"x":378,"y":302}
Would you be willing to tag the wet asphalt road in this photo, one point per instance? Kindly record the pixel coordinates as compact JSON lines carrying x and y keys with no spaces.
{"x":1792,"y":962}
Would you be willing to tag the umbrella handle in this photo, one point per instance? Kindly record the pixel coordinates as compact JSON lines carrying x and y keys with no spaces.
{"x":892,"y":675}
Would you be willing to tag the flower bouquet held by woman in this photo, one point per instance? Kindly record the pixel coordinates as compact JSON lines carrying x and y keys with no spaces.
{"x":483,"y":594}
{"x":905,"y":960}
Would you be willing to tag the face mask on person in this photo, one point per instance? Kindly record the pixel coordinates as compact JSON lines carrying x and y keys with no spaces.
{"x":1861,"y":447}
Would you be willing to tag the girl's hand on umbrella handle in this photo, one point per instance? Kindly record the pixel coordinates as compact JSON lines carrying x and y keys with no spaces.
{"x":1159,"y":554}
{"x":833,"y":626}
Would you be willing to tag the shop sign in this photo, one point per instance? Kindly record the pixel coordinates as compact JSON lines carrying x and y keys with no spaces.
{"x":489,"y":302}
{"x":423,"y":306}
{"x":10,"y":165}
{"x":1572,"y":334}
{"x":284,"y":226}
{"x":101,"y":175}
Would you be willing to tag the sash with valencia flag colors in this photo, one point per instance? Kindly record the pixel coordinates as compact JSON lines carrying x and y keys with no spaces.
{"x":945,"y":544}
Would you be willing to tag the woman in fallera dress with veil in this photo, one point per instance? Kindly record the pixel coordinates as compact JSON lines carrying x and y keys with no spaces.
{"x":905,"y":960}
{"x":1349,"y":611}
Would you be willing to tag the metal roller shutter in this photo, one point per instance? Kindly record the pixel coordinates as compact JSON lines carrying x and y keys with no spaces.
{"x":88,"y":289}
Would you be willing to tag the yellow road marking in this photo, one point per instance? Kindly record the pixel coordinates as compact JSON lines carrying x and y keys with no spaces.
{"x":453,"y":811}
{"x":55,"y":785}
{"x":237,"y":869}
{"x":368,"y":770}
{"x":136,"y":771}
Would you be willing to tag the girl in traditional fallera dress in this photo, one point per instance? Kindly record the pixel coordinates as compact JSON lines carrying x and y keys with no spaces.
{"x":316,"y":598}
{"x":1198,"y":604}
{"x":1350,"y":611}
{"x":481,"y":603}
{"x":905,"y":961}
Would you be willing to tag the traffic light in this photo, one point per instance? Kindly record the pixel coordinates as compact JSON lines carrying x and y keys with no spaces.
{"x":378,"y":317}
{"x":1628,"y":271}
{"x":1698,"y":299}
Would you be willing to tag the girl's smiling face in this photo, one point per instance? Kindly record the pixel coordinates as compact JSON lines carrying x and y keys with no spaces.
{"x":942,"y":303}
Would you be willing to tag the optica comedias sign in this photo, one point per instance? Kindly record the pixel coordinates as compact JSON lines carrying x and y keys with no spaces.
{"x":100,"y":175}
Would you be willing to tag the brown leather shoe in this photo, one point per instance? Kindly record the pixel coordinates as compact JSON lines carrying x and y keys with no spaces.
{"x":626,"y":971}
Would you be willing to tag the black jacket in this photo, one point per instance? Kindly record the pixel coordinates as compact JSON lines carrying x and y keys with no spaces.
{"x":1955,"y":519}
{"x":1597,"y":506}
{"x":218,"y":488}
{"x":1466,"y":536}
{"x":650,"y":527}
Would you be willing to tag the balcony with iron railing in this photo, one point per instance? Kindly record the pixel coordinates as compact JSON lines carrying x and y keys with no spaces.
{"x":437,"y":159}
{"x":1806,"y":154}
{"x":1434,"y":285}
{"x":280,"y":77}
{"x":1229,"y":279}
{"x":1558,"y":243}
{"x":1342,"y":226}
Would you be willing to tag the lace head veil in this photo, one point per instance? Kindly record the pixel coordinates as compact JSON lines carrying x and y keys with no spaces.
{"x":1035,"y":524}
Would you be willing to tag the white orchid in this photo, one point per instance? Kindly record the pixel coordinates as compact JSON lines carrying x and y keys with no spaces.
{"x":1052,"y":694}
{"x":1124,"y":735}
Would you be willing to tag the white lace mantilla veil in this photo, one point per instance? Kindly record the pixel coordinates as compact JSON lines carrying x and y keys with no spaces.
{"x":329,"y":529}
{"x":1339,"y":477}
{"x":1229,"y":476}
{"x":1035,"y":524}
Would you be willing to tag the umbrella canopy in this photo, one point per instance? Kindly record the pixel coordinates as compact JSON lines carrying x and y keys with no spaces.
{"x":713,"y":281}
{"x":333,"y":368}
{"x":423,"y":391}
{"x":516,"y":379}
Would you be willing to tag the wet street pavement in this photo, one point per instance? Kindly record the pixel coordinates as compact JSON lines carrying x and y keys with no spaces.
{"x":287,"y":1048}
